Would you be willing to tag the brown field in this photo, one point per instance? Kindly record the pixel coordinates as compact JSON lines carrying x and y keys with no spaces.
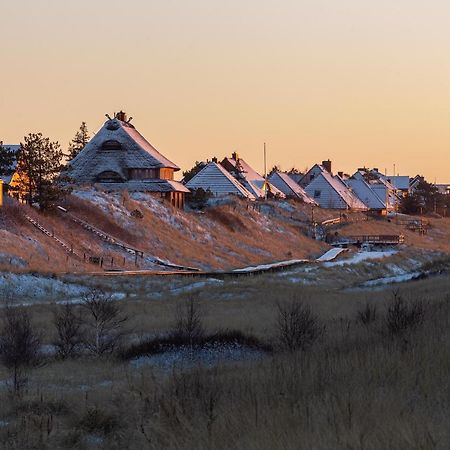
{"x":357,"y":387}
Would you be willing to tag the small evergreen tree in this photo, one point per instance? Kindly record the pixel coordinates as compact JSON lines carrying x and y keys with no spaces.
{"x":7,"y":157}
{"x":274,"y":169}
{"x":79,"y":141}
{"x":39,"y":163}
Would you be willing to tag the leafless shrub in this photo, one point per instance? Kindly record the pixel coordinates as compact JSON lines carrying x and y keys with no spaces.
{"x":69,"y":332}
{"x":402,"y":316}
{"x":103,"y":322}
{"x":19,"y":345}
{"x":188,"y":326}
{"x":367,"y":315}
{"x":96,"y":420}
{"x":297,"y":327}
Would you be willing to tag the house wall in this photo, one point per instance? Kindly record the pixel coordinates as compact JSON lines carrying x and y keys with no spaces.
{"x":166,"y":173}
{"x":313,"y":173}
{"x":328,"y":197}
{"x":146,"y":174}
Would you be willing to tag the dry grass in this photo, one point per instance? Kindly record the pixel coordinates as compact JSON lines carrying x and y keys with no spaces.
{"x":358,"y":387}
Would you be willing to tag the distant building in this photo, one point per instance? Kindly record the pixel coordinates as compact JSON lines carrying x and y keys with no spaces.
{"x":315,"y":170}
{"x":366,"y":194}
{"x":383,"y":189}
{"x":214,"y":178}
{"x":249,"y":178}
{"x":332,"y":192}
{"x":118,"y":157}
{"x":289,"y":187}
{"x":443,"y":188}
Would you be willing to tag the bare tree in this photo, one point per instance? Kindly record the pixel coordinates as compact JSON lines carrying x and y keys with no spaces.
{"x":188,"y":325}
{"x":69,"y":333}
{"x":103,"y":324}
{"x":297,"y":327}
{"x":402,"y":316}
{"x":19,"y":345}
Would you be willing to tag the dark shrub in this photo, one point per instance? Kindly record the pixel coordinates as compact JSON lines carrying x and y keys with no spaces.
{"x":402,"y":316}
{"x":297,"y":327}
{"x":367,"y":315}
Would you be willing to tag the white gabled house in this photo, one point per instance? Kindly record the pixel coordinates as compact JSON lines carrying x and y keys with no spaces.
{"x":249,"y":178}
{"x":289,"y":187}
{"x":214,"y":178}
{"x":330,"y":192}
{"x":315,"y":171}
{"x":366,"y":194}
{"x":385,"y":191}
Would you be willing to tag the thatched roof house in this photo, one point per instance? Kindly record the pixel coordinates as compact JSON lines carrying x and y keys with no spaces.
{"x":118,"y":157}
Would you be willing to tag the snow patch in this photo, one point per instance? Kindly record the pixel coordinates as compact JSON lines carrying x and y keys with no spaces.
{"x":360,"y":257}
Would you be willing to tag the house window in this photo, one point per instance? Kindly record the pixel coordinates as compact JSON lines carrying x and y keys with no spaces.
{"x":317,"y":194}
{"x":109,"y":176}
{"x":111,"y":145}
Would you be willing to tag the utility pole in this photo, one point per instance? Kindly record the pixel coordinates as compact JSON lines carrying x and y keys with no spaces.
{"x":265,"y":173}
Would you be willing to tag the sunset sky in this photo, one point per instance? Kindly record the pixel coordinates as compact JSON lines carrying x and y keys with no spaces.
{"x":359,"y":82}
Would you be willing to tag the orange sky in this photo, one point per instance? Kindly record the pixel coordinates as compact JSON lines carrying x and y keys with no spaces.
{"x":359,"y":82}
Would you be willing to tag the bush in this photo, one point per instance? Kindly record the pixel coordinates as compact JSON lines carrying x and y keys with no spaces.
{"x":402,"y":316}
{"x":198,"y":198}
{"x":19,"y":345}
{"x":97,"y":421}
{"x":188,"y":326}
{"x":103,"y":324}
{"x":367,"y":315}
{"x":68,"y":328}
{"x":297,"y":327}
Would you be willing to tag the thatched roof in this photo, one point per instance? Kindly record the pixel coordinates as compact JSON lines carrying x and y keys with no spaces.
{"x":116,"y":148}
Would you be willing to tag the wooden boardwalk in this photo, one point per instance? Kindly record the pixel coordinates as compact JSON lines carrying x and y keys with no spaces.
{"x":375,"y":239}
{"x":68,"y":249}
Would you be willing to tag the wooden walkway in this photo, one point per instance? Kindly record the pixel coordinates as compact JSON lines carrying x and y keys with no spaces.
{"x":68,"y":249}
{"x":102,"y":234}
{"x":376,"y":239}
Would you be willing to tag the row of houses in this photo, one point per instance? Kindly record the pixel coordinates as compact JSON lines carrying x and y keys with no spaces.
{"x":118,"y":157}
{"x":364,"y":190}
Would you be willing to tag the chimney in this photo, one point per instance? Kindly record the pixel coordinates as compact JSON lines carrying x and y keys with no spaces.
{"x":327,"y":165}
{"x":235,"y":156}
{"x":121,"y":116}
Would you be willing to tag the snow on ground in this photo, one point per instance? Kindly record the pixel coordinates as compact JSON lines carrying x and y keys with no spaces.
{"x":209,"y":355}
{"x":14,"y":286}
{"x":395,"y":279}
{"x":287,"y":263}
{"x":196,"y":285}
{"x":360,"y":257}
{"x":331,"y":254}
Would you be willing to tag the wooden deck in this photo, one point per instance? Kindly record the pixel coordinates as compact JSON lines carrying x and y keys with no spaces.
{"x":375,"y":239}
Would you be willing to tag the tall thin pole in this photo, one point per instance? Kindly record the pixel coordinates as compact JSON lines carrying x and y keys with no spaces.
{"x":265,"y":167}
{"x":265,"y":173}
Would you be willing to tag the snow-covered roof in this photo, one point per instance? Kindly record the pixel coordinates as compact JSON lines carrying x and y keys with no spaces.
{"x":366,"y":194}
{"x":347,"y":196}
{"x":247,"y":171}
{"x":117,"y":147}
{"x":249,"y":178}
{"x":289,"y":187}
{"x":400,"y":182}
{"x":219,"y":181}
